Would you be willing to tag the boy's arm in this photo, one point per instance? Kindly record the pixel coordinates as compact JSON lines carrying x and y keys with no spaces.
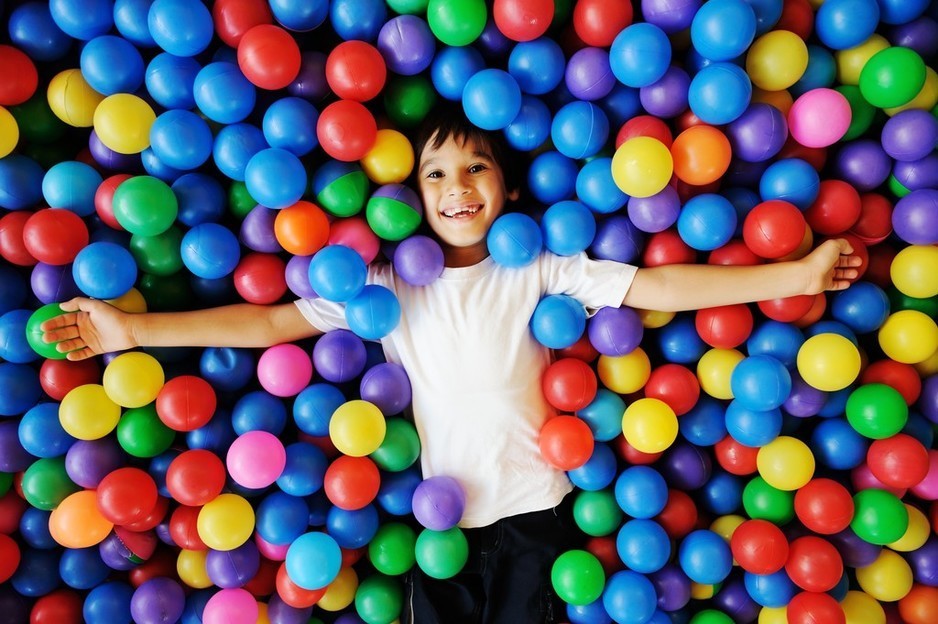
{"x":90,"y":327}
{"x":677,"y":287}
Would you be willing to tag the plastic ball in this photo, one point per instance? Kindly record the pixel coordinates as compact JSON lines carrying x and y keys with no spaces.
{"x":642,"y":166}
{"x":578,"y":577}
{"x":892,"y":77}
{"x":719,"y":93}
{"x":777,"y":60}
{"x":846,"y":23}
{"x":909,"y":274}
{"x":418,"y":260}
{"x":284,"y":370}
{"x":908,"y":336}
{"x":77,"y":523}
{"x":453,"y":66}
{"x":357,"y":428}
{"x":441,"y":554}
{"x":280,"y":165}
{"x":523,"y":20}
{"x":122,"y":122}
{"x":491,"y":99}
{"x":707,"y":221}
{"x":650,"y":425}
{"x":705,"y":557}
{"x":640,"y":54}
{"x":759,"y":546}
{"x":819,"y":117}
{"x":597,"y":23}
{"x":185,"y":403}
{"x":828,"y":362}
{"x":643,"y":545}
{"x":786,"y":463}
{"x":133,"y":379}
{"x":566,"y":442}
{"x":394,"y":211}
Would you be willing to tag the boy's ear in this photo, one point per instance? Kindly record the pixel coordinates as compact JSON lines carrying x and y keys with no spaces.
{"x":513,"y":194}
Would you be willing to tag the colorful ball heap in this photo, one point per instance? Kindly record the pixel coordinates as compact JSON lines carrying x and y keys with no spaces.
{"x":771,"y":463}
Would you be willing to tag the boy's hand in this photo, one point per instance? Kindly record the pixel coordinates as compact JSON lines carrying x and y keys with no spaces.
{"x":89,"y":327}
{"x":831,"y":266}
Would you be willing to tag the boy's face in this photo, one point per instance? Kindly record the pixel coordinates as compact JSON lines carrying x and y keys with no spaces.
{"x":463,"y":191}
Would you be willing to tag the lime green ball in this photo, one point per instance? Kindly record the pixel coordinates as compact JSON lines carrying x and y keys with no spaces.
{"x":46,"y":483}
{"x":896,"y":187}
{"x":456,"y":22}
{"x":408,"y":7}
{"x":898,"y":300}
{"x":141,"y":433}
{"x":37,"y":123}
{"x":892,"y":77}
{"x":34,"y":334}
{"x":711,"y":616}
{"x":391,"y":550}
{"x":379,"y":599}
{"x":240,"y":202}
{"x":400,"y":447}
{"x":597,"y":513}
{"x":861,"y":112}
{"x":166,"y":292}
{"x":6,"y":480}
{"x":346,"y":195}
{"x":393,"y":212}
{"x":578,"y":577}
{"x":879,"y":516}
{"x":145,"y":205}
{"x":408,"y":99}
{"x":158,"y":254}
{"x":876,"y":411}
{"x":441,"y":554}
{"x":764,"y":502}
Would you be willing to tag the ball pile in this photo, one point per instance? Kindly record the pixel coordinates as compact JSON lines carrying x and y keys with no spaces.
{"x":772,"y":462}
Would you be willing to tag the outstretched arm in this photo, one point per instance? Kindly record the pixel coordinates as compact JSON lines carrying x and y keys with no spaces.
{"x":90,"y":327}
{"x":677,"y":287}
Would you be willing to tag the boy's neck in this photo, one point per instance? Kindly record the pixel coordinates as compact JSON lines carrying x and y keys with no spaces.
{"x":456,"y":257}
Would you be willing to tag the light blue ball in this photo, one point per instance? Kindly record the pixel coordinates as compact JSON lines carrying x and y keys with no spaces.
{"x":223,"y":93}
{"x":753,"y":428}
{"x":373,"y":313}
{"x":71,"y":185}
{"x":491,"y":99}
{"x":760,"y":382}
{"x":290,"y":124}
{"x":579,"y":129}
{"x":604,"y":415}
{"x":313,"y":560}
{"x":337,"y":273}
{"x":640,"y":55}
{"x":723,"y":29}
{"x":514,"y":240}
{"x":596,"y":188}
{"x":170,"y":80}
{"x":643,"y":545}
{"x":531,"y":127}
{"x":719,"y":93}
{"x":707,"y":221}
{"x":181,"y":139}
{"x":111,"y":64}
{"x":275,"y":178}
{"x":180,"y":27}
{"x":210,"y":250}
{"x":641,"y":491}
{"x":552,"y":177}
{"x":568,"y":228}
{"x":705,"y":557}
{"x":537,"y":65}
{"x":451,"y":69}
{"x":104,"y":270}
{"x":558,"y":321}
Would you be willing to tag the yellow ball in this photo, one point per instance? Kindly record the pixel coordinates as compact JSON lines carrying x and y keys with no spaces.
{"x":777,"y":60}
{"x":653,"y":319}
{"x":909,"y":336}
{"x":786,"y":463}
{"x":131,"y":302}
{"x":650,"y":425}
{"x":72,"y":99}
{"x":850,"y":62}
{"x":725,"y":526}
{"x":861,"y":608}
{"x":122,"y":121}
{"x":828,"y":362}
{"x":781,"y":100}
{"x":714,"y":370}
{"x":913,"y":271}
{"x":225,"y":522}
{"x":702,"y":591}
{"x":916,"y":534}
{"x":9,"y":132}
{"x":357,"y":428}
{"x":887,"y":579}
{"x":88,"y":413}
{"x":341,"y":592}
{"x":263,"y":615}
{"x":642,"y":166}
{"x":925,"y":100}
{"x":773,"y":615}
{"x":390,"y":160}
{"x":190,"y":565}
{"x":928,"y":366}
{"x":133,"y":379}
{"x":624,"y":374}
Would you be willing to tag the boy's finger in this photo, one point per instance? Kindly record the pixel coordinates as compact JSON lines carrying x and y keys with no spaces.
{"x":72,"y":305}
{"x":56,"y":322}
{"x":80,"y":354}
{"x":60,"y":334}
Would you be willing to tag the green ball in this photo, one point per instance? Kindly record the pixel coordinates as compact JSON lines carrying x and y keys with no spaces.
{"x":408,"y":99}
{"x":158,"y":254}
{"x":46,"y":483}
{"x":346,"y":195}
{"x":400,"y":448}
{"x":240,"y":202}
{"x":441,"y":554}
{"x":597,"y":513}
{"x":711,"y":616}
{"x":408,"y":7}
{"x":876,"y":411}
{"x":6,"y":480}
{"x":166,"y":292}
{"x":36,"y":121}
{"x":896,"y":187}
{"x":892,"y":77}
{"x":141,"y":433}
{"x":456,"y":22}
{"x":861,"y":112}
{"x":578,"y":577}
{"x":879,"y":517}
{"x":764,"y":502}
{"x":391,"y":550}
{"x":34,"y":334}
{"x":898,"y":300}
{"x":394,"y":217}
{"x":145,"y":205}
{"x":379,"y":599}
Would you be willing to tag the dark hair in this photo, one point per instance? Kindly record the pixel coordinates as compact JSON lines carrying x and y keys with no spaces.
{"x":448,"y":120}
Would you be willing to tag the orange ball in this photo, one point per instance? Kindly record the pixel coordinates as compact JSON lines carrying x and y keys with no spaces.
{"x":920,"y":605}
{"x":301,"y":229}
{"x":566,"y":442}
{"x":701,"y":155}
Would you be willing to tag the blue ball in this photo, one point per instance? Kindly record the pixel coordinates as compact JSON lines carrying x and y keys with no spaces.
{"x":753,"y":428}
{"x":181,"y":139}
{"x":707,"y":221}
{"x":227,"y":368}
{"x":531,"y":127}
{"x":216,"y":435}
{"x":180,"y":27}
{"x":723,"y":29}
{"x":568,"y":228}
{"x":20,"y":182}
{"x":313,"y":408}
{"x":396,"y":492}
{"x":621,"y":104}
{"x":451,"y":69}
{"x":210,"y":250}
{"x":837,"y":445}
{"x":38,"y":572}
{"x":491,"y":99}
{"x":643,"y":545}
{"x":760,"y":382}
{"x":598,"y":472}
{"x":358,"y":19}
{"x":705,"y":557}
{"x":640,"y":55}
{"x":281,"y":518}
{"x":82,"y":19}
{"x":41,"y":433}
{"x":34,"y":529}
{"x":259,"y":411}
{"x":201,"y":199}
{"x":723,"y":493}
{"x":770,"y":590}
{"x":596,"y":188}
{"x":791,"y":179}
{"x":83,"y":568}
{"x":352,"y":528}
{"x":71,"y":185}
{"x":234,"y":147}
{"x":157,"y":168}
{"x":719,"y":93}
{"x":821,"y":71}
{"x":275,"y":178}
{"x":842,"y":24}
{"x":558,"y":321}
{"x":373,"y":313}
{"x":604,"y":415}
{"x":679,"y":341}
{"x":337,"y":273}
{"x":537,"y":65}
{"x":19,"y":391}
{"x":705,"y":423}
{"x":300,"y":16}
{"x":629,"y":597}
{"x":592,"y":613}
{"x":863,"y":307}
{"x":170,"y":80}
{"x":617,"y":239}
{"x":641,"y":491}
{"x":290,"y":124}
{"x":104,"y":270}
{"x":130,"y":19}
{"x":901,"y":11}
{"x":111,"y":64}
{"x":33,"y":30}
{"x":768,"y":12}
{"x":13,"y":344}
{"x":579,"y":129}
{"x":552,"y":177}
{"x":313,"y":560}
{"x":779,"y":340}
{"x":304,"y":471}
{"x":223,"y":93}
{"x":108,"y":603}
{"x":514,"y":240}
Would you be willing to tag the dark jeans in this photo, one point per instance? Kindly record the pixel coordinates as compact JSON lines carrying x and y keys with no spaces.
{"x":507,"y":577}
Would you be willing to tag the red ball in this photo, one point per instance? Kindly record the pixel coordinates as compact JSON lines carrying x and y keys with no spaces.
{"x":566,"y":442}
{"x":152,"y":519}
{"x":818,"y":306}
{"x":233,"y":18}
{"x":736,"y":458}
{"x":814,"y":607}
{"x":569,"y":384}
{"x":875,"y":221}
{"x":269,"y":56}
{"x":354,"y":232}
{"x":351,"y":483}
{"x":264,"y":581}
{"x":294,"y":595}
{"x":260,"y":278}
{"x":9,"y":557}
{"x":667,"y":247}
{"x":733,"y":253}
{"x":798,"y":17}
{"x":183,"y":528}
{"x":724,"y":327}
{"x":582,"y":349}
{"x":61,"y":606}
{"x":879,"y":260}
{"x":774,"y":228}
{"x":139,"y":544}
{"x":814,"y":564}
{"x":58,"y":377}
{"x":355,"y":70}
{"x":759,"y":547}
{"x":12,"y":507}
{"x":104,"y":199}
{"x":126,"y":495}
{"x":900,"y":461}
{"x":679,"y":516}
{"x":346,"y":130}
{"x":12,"y":247}
{"x":597,"y":22}
{"x":787,"y":309}
{"x":604,"y":549}
{"x":824,"y":506}
{"x":920,"y":605}
{"x":645,"y":125}
{"x":185,"y":403}
{"x":162,"y":563}
{"x":55,"y":235}
{"x":523,"y":20}
{"x":835,"y":209}
{"x":902,"y":377}
{"x":674,"y":384}
{"x":632,"y":455}
{"x":195,"y":477}
{"x":20,"y":76}
{"x":814,"y":156}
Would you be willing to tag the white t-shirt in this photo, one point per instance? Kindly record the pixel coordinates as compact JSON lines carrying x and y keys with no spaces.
{"x":475,"y":371}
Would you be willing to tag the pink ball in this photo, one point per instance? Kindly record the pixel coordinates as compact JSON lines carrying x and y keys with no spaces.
{"x":231,"y":606}
{"x":863,"y":479}
{"x":284,"y":370}
{"x":927,"y":488}
{"x":355,"y":232}
{"x":255,"y":459}
{"x":819,"y":117}
{"x":274,"y":552}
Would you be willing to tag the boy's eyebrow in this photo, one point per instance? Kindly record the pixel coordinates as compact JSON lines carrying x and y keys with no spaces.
{"x":475,"y":154}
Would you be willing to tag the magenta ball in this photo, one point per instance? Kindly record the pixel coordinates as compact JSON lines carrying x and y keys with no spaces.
{"x":256,"y":459}
{"x":285,"y":369}
{"x":439,"y":502}
{"x":230,"y":606}
{"x":819,"y":117}
{"x":418,"y":260}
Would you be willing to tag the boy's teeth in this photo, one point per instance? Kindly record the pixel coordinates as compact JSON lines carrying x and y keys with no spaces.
{"x":455,"y":212}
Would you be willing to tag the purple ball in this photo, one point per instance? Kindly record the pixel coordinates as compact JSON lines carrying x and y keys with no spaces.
{"x":666,"y":97}
{"x":230,"y":569}
{"x":920,"y":34}
{"x":52,"y":283}
{"x":735,"y":601}
{"x":387,"y":386}
{"x":759,"y":133}
{"x":672,"y":587}
{"x":671,"y":16}
{"x":157,"y":600}
{"x":588,"y":75}
{"x":686,"y":466}
{"x":804,"y":400}
{"x":915,"y":217}
{"x":257,"y":230}
{"x":339,"y":356}
{"x":109,"y":159}
{"x":743,"y":173}
{"x":418,"y":260}
{"x":924,"y":562}
{"x":918,"y":174}
{"x":297,"y":276}
{"x":657,"y":212}
{"x":617,"y":239}
{"x":13,"y":457}
{"x":14,"y":605}
{"x":115,"y":554}
{"x":492,"y":43}
{"x":928,"y":399}
{"x":406,"y":44}
{"x":856,"y":552}
{"x":863,"y":163}
{"x":615,"y":331}
{"x":279,"y":612}
{"x":310,"y":83}
{"x":89,"y":461}
{"x":910,"y":134}
{"x":439,"y":502}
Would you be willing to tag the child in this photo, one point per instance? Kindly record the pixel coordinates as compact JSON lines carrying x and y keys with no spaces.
{"x":474,"y":366}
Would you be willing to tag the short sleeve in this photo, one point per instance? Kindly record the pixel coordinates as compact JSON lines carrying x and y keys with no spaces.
{"x":327,"y":316}
{"x":594,"y":283}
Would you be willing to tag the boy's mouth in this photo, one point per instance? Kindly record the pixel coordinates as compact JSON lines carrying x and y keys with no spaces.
{"x":461,"y":211}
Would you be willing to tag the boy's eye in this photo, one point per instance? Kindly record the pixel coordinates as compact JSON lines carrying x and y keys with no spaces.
{"x":435,"y":174}
{"x":476,"y":168}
